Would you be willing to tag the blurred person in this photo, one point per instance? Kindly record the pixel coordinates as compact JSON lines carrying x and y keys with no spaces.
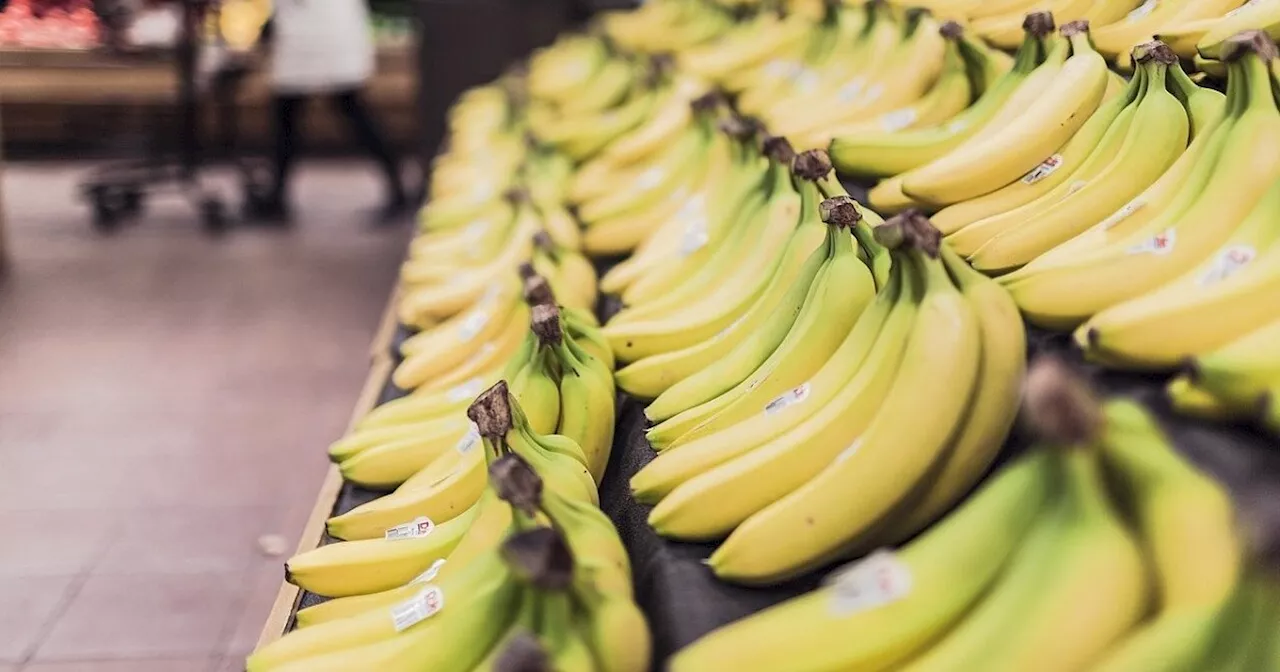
{"x":323,"y":49}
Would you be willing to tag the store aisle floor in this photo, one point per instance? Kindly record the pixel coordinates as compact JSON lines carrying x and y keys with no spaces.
{"x":165,"y":401}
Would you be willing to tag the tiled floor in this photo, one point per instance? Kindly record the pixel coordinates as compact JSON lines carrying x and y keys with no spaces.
{"x":165,"y":400}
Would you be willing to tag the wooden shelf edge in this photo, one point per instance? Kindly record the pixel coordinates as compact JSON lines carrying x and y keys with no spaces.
{"x":313,"y":532}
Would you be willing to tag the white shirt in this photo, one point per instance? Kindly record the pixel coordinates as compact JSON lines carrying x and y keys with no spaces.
{"x":321,"y":45}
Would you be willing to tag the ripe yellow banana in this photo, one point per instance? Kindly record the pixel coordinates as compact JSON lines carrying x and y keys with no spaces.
{"x":1162,"y":328}
{"x":856,"y":481}
{"x":848,"y":387}
{"x":986,"y":164}
{"x":963,"y":222}
{"x":899,"y":602}
{"x":832,"y":307}
{"x":374,"y":565}
{"x":771,"y":316}
{"x":888,"y":153}
{"x":1170,"y":246}
{"x":1157,"y":138}
{"x":992,"y":410}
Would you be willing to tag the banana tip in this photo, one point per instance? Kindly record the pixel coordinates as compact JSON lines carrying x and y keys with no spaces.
{"x":1059,"y":405}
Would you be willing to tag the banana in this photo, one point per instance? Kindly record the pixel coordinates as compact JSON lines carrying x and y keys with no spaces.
{"x":764,"y":326}
{"x":615,"y":630}
{"x":609,"y":87}
{"x":1258,"y":15}
{"x":461,"y":613}
{"x":1188,"y":398}
{"x":430,"y":354}
{"x":1169,"y":246}
{"x":817,"y":334}
{"x":374,"y":565}
{"x":1052,"y":175}
{"x":1242,"y":373}
{"x":908,"y":72}
{"x":1162,"y":328}
{"x":1187,"y":525}
{"x":1173,"y":192}
{"x":992,"y":410}
{"x":834,"y":301}
{"x":883,"y":154}
{"x":390,"y":464}
{"x":566,"y":647}
{"x":586,"y":404}
{"x":847,"y":487}
{"x":983,"y":165}
{"x":946,"y":98}
{"x":766,"y":36}
{"x":1159,"y":134}
{"x":555,"y":72}
{"x":901,"y":601}
{"x":1078,"y":587}
{"x":650,"y":377}
{"x":850,"y":383}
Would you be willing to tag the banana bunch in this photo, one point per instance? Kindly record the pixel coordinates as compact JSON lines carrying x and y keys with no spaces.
{"x":617,"y":98}
{"x":1131,"y":276}
{"x":771,"y":292}
{"x":1042,"y":114}
{"x":752,"y":44}
{"x":638,"y":185}
{"x":888,"y":151}
{"x":895,"y":76}
{"x":533,"y":569}
{"x":425,"y":448}
{"x":667,"y":26}
{"x":1237,"y":381}
{"x":884,"y":424}
{"x":999,"y":23}
{"x":1171,"y":21}
{"x":1099,"y":549}
{"x":1205,"y":34}
{"x":1123,"y":148}
{"x":449,"y":273}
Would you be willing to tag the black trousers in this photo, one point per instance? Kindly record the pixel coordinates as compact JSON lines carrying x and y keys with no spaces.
{"x":349,"y":105}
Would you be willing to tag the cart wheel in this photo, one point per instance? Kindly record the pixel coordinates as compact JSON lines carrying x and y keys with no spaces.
{"x":132,"y":202}
{"x":213,"y":215}
{"x":106,"y":218}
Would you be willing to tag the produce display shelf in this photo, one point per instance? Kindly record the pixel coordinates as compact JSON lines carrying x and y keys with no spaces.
{"x":678,"y":593}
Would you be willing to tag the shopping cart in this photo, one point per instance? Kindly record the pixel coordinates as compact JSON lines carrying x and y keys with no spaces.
{"x":117,"y":192}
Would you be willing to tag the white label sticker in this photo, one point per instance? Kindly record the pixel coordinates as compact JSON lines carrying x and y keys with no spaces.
{"x":418,"y":608}
{"x":898,"y":119}
{"x":468,"y":390}
{"x":469,"y":441}
{"x":873,"y":94}
{"x":849,"y":92}
{"x":429,"y":574}
{"x":1141,"y":11}
{"x":778,"y":68}
{"x":695,"y":237}
{"x":1045,"y":169}
{"x":876,"y":580}
{"x":1121,"y":214}
{"x":807,"y":81}
{"x":1227,"y":263}
{"x":650,"y":178}
{"x":1241,"y":8}
{"x":1159,"y":244}
{"x":957,"y":125}
{"x":472,"y":324}
{"x":417,"y":529}
{"x":789,"y":398}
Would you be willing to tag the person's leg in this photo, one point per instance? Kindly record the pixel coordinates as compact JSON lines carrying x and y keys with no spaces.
{"x":287,"y":109}
{"x":350,"y":105}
